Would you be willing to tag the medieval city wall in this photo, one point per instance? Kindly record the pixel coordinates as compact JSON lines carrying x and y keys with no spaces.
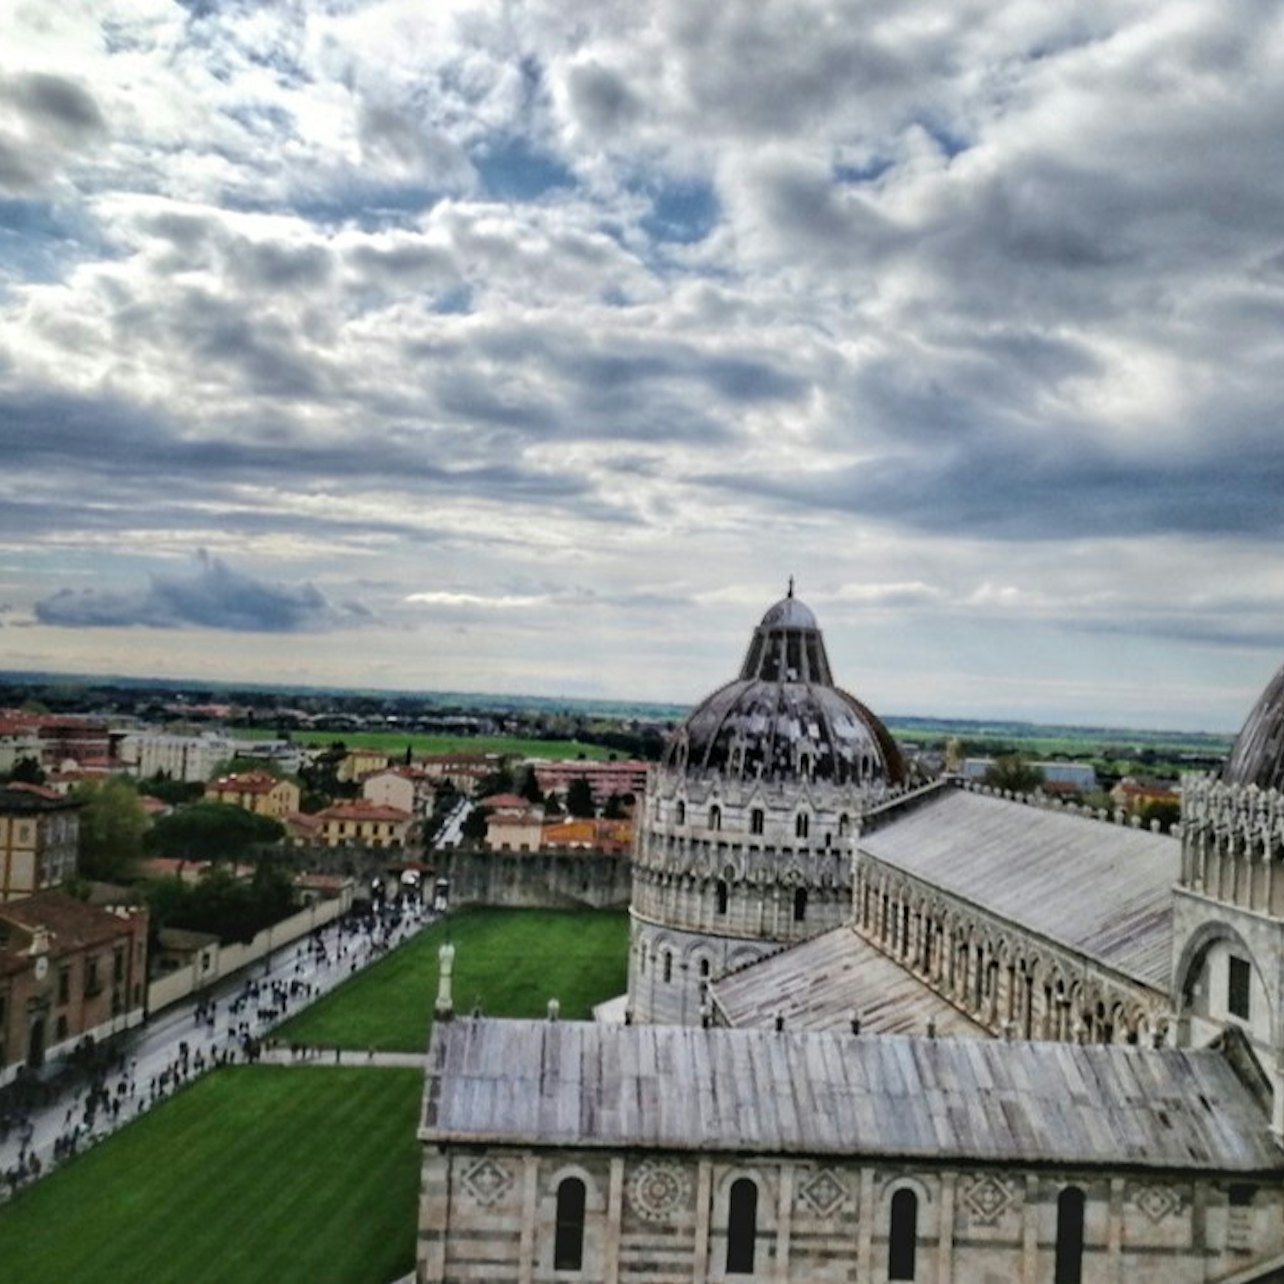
{"x":490,"y":1213}
{"x":537,"y":880}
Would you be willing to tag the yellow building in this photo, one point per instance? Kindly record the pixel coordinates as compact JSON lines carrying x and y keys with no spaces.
{"x":361,"y":762}
{"x":39,"y":840}
{"x":361,"y":823}
{"x":257,"y":792}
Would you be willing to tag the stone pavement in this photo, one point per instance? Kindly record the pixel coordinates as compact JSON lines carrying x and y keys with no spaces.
{"x":316,"y":1055}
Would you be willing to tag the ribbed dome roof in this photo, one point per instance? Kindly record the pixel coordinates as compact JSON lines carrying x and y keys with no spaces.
{"x":783,"y":717}
{"x":1258,"y":756}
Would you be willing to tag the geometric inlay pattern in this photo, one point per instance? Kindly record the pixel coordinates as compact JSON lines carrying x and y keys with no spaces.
{"x":987,"y":1198}
{"x":1157,"y":1202}
{"x":487,"y":1180}
{"x":823,"y":1192}
{"x":658,"y":1190}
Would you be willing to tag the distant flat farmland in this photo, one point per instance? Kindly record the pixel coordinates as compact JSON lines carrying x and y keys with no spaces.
{"x":421,"y":744}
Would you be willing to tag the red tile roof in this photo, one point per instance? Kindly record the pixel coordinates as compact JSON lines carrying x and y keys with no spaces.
{"x":73,"y":924}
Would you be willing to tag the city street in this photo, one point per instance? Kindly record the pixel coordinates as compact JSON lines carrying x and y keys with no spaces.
{"x":225,"y":1026}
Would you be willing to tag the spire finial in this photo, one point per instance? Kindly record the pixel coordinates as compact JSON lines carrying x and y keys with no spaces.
{"x":791,"y":587}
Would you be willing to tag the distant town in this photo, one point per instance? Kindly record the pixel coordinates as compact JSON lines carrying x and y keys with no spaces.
{"x":175,"y":825}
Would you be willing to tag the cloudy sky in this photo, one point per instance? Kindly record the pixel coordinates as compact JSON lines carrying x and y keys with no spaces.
{"x":531,"y":347}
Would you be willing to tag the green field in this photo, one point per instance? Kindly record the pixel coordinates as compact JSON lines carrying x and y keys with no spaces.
{"x":395,"y":742}
{"x":510,"y":961}
{"x":252,"y":1174}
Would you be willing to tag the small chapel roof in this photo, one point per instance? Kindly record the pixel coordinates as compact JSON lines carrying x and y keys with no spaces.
{"x":1102,"y":889}
{"x":684,"y":1088}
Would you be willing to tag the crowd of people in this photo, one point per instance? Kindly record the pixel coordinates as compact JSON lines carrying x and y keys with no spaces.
{"x":45,"y":1123}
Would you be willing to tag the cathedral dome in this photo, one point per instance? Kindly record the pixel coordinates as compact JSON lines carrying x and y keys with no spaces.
{"x":1258,"y":755}
{"x":783,"y":717}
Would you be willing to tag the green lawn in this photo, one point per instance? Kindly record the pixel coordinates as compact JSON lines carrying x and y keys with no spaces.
{"x":510,"y":961}
{"x":252,"y":1174}
{"x":395,"y":742}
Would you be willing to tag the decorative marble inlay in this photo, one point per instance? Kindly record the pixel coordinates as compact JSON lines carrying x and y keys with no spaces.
{"x":658,"y":1190}
{"x":487,"y":1180}
{"x":823,"y":1192}
{"x":1157,"y":1202}
{"x":987,"y":1197}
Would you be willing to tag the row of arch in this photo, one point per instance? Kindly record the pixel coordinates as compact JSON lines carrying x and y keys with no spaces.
{"x":1002,"y":984}
{"x":786,"y":908}
{"x":741,"y":1250}
{"x":757,"y":820}
{"x":744,"y":863}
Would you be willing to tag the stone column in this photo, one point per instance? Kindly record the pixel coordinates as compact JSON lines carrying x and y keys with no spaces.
{"x":704,"y":1211}
{"x":614,"y":1207}
{"x":784,"y":1221}
{"x":526,"y":1245}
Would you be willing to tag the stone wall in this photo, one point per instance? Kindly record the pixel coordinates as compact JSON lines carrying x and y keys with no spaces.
{"x":536,"y":880}
{"x":663,"y":1218}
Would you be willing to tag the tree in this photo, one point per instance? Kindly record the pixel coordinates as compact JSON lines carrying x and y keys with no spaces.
{"x":112,"y":824}
{"x":474,"y":826}
{"x":213,"y":831}
{"x":232,"y":908}
{"x":616,"y":805}
{"x":1013,"y":772}
{"x":27,"y":771}
{"x":579,"y":799}
{"x":498,"y":782}
{"x":528,"y":786}
{"x":1166,"y":813}
{"x":174,"y":792}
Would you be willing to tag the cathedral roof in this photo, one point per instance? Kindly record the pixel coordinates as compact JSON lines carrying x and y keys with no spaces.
{"x":684,"y":1088}
{"x":1104,"y":890}
{"x":818,"y":985}
{"x":783,"y":717}
{"x":1258,"y":755}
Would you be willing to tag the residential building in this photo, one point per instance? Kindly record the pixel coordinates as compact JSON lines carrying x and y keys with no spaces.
{"x":68,"y":972}
{"x":604,"y":778}
{"x":409,"y":789}
{"x":188,"y":758}
{"x":514,"y":824}
{"x":18,"y":741}
{"x":361,"y":823}
{"x":1133,"y":793}
{"x":257,"y":792}
{"x":359,"y":763}
{"x":610,"y":837}
{"x":39,"y":840}
{"x":83,"y":741}
{"x":465,"y":771}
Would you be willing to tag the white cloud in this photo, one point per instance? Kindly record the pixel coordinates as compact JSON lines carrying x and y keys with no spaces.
{"x":969,"y":316}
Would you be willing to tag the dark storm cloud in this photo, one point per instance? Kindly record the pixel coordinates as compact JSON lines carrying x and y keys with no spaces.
{"x":48,"y":118}
{"x":214,"y":597}
{"x":50,"y":435}
{"x":600,"y":99}
{"x":1071,"y":490}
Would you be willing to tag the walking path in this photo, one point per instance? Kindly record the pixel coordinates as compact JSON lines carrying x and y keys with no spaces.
{"x":301,"y":1055}
{"x":224,"y":1027}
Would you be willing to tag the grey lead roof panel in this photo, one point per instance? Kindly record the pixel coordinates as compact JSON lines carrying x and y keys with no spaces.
{"x":566,"y":1083}
{"x":816,"y":986}
{"x":1101,"y":889}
